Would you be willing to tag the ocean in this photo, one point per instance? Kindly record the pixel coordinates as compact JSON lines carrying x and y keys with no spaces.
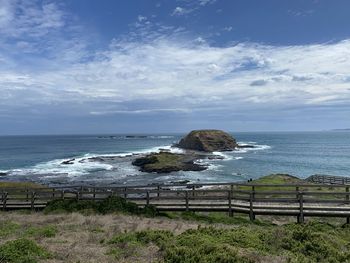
{"x":39,"y":158}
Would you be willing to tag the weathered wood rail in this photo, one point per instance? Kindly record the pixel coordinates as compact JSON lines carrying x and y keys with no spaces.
{"x":298,"y":200}
{"x":328,"y":179}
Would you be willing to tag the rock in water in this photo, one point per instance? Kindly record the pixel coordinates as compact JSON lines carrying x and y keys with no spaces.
{"x":208,"y":141}
{"x":165,"y":162}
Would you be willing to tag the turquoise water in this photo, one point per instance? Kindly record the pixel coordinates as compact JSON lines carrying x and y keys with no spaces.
{"x":38,"y":158}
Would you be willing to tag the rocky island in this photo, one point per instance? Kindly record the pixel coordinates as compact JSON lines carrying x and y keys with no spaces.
{"x":208,"y":141}
{"x":166,"y":162}
{"x":198,"y":144}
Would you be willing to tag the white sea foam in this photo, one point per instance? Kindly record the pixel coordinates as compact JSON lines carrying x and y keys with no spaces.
{"x":78,"y":167}
{"x":257,"y":147}
{"x":215,"y":167}
{"x":224,"y":155}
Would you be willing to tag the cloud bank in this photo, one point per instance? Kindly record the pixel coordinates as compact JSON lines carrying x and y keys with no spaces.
{"x":170,"y":73}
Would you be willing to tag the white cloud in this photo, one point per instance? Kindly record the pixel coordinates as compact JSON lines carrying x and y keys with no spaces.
{"x":180,"y":11}
{"x":167,"y":72}
{"x":206,"y":2}
{"x":228,"y":28}
{"x":20,"y":18}
{"x":6,"y":13}
{"x":163,"y":70}
{"x":141,"y":18}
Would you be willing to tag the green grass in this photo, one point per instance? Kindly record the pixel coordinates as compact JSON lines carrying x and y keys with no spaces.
{"x":313,"y":242}
{"x":20,"y":185}
{"x":278,"y":179}
{"x":164,"y":159}
{"x":108,"y":205}
{"x":41,"y":232}
{"x":8,"y":228}
{"x":22,"y":251}
{"x":215,"y":218}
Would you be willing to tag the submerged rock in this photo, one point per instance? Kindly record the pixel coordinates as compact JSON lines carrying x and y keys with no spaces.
{"x":165,"y":162}
{"x":3,"y":174}
{"x":70,"y":161}
{"x":208,"y":141}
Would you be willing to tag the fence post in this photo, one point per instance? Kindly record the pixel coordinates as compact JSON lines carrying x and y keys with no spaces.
{"x":32,"y":201}
{"x":253,"y":191}
{"x":53,"y":193}
{"x":231,"y":188}
{"x":147,"y":198}
{"x":230,"y":212}
{"x":4,"y":200}
{"x":187,"y":206}
{"x":301,"y":208}
{"x":347,"y":202}
{"x":251,"y":212}
{"x":125,"y":194}
{"x":158,"y":189}
{"x":62,"y":194}
{"x":193,"y":189}
{"x":27,"y":195}
{"x":94,"y":193}
{"x":297,"y":191}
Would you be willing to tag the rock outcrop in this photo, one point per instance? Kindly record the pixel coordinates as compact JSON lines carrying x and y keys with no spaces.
{"x":208,"y":141}
{"x":165,"y":162}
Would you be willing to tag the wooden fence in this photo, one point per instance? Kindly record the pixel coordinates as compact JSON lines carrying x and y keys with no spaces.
{"x":328,"y":179}
{"x":298,"y":200}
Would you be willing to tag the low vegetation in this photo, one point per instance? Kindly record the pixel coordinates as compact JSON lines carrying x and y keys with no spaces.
{"x":109,"y":205}
{"x":22,"y":251}
{"x":19,"y":185}
{"x":290,"y":243}
{"x":115,"y":230}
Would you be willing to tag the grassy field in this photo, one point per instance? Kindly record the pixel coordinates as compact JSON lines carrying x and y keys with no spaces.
{"x":117,"y":231}
{"x":19,"y":185}
{"x":180,"y":237}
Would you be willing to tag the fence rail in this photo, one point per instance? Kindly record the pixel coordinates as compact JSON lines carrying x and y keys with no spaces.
{"x":299,"y":200}
{"x":328,"y":179}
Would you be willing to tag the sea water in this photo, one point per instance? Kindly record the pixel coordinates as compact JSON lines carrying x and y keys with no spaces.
{"x":39,"y":158}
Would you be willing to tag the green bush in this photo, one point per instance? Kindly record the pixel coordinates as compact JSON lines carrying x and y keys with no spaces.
{"x":108,"y":205}
{"x":247,"y":243}
{"x":22,"y":251}
{"x":46,"y":231}
{"x":8,"y":228}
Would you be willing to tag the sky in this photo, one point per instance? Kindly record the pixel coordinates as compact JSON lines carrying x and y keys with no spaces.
{"x":156,"y":66}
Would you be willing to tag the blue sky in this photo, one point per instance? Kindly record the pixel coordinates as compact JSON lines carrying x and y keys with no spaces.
{"x":88,"y":66}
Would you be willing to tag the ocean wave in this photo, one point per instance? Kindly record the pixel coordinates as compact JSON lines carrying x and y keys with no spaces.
{"x":257,"y":147}
{"x":246,"y":143}
{"x":215,"y":167}
{"x":225,"y":156}
{"x":79,"y":165}
{"x":75,"y":168}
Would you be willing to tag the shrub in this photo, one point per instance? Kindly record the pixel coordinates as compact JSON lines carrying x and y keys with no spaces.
{"x":247,"y":243}
{"x":108,"y":205}
{"x":22,"y":251}
{"x":46,"y":231}
{"x":8,"y":228}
